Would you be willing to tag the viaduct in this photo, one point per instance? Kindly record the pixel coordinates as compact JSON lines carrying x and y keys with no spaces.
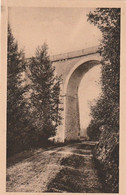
{"x":72,"y":66}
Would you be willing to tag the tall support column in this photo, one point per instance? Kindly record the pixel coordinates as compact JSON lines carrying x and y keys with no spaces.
{"x":72,"y":122}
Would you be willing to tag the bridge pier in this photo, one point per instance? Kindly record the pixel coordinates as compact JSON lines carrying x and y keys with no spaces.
{"x":72,"y":119}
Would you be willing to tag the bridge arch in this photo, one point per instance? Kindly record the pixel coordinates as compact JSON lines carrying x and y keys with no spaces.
{"x":71,"y":125}
{"x":72,"y":66}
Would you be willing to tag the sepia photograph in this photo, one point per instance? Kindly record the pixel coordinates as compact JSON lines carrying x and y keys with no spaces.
{"x":63,"y":99}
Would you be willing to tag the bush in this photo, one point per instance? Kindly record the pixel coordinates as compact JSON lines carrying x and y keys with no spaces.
{"x":106,"y":155}
{"x":93,"y":131}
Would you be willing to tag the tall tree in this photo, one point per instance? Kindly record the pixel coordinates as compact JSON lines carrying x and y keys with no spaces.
{"x":107,"y":109}
{"x":106,"y":112}
{"x":15,"y":90}
{"x":45,"y":87}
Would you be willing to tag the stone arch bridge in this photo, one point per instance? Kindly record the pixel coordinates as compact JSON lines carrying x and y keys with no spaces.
{"x":72,"y":66}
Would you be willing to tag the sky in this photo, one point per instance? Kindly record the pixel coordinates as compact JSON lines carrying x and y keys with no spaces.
{"x":89,"y":91}
{"x":64,"y":30}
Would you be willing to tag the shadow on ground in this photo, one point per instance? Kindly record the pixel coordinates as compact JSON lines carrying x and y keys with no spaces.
{"x":68,"y":168}
{"x":78,"y":173}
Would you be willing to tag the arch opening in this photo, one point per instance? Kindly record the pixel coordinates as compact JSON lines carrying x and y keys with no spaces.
{"x":88,"y":93}
{"x":72,"y":113}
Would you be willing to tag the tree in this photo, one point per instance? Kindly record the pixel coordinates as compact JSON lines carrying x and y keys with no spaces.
{"x":44,"y":98}
{"x":105,"y":115}
{"x":107,"y":109}
{"x":15,"y":90}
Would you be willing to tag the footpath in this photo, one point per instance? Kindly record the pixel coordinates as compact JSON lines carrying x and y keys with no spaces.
{"x":68,"y":168}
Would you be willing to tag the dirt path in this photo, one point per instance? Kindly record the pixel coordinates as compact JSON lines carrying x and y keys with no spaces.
{"x":62,"y":169}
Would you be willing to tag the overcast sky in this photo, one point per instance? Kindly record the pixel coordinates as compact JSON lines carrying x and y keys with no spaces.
{"x":63,"y":29}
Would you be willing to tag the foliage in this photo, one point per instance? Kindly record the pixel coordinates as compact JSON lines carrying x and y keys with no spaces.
{"x":44,"y":98}
{"x":107,"y":109}
{"x":32,"y":102}
{"x":105,"y":113}
{"x":15,"y":91}
{"x":107,"y":160}
{"x":93,"y":131}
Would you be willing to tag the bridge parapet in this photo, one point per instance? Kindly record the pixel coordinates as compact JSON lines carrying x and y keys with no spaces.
{"x":74,"y":54}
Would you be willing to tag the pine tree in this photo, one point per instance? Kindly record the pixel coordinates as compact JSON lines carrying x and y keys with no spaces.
{"x":15,"y":90}
{"x":44,"y":98}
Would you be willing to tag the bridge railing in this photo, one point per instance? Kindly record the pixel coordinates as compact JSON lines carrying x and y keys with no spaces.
{"x":74,"y":54}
